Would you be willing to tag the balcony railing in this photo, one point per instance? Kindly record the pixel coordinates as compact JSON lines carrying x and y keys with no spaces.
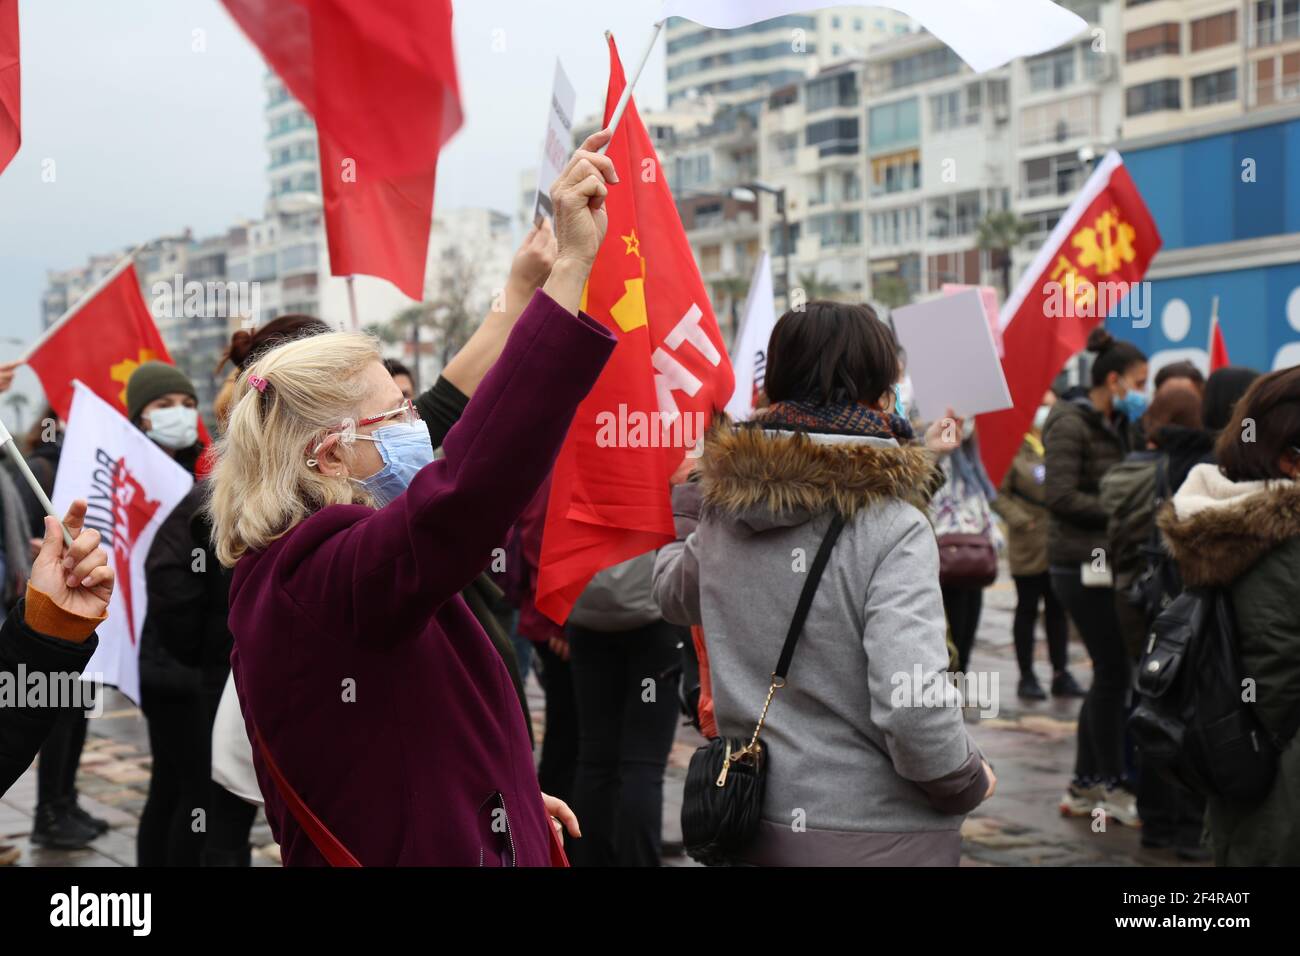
{"x":1274,"y":31}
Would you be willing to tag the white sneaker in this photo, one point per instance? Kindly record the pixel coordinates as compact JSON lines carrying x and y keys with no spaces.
{"x":1081,"y":801}
{"x":1121,"y":806}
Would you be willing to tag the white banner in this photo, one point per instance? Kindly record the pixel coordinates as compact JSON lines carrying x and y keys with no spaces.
{"x":984,"y":33}
{"x":130,"y":486}
{"x":749,"y":354}
{"x":559,"y":141}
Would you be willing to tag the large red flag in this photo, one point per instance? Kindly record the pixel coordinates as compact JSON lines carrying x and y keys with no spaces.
{"x":1218,"y":347}
{"x":380,"y":80}
{"x":669,"y":372}
{"x":11,"y":130}
{"x":1100,"y":249}
{"x":101,"y":342}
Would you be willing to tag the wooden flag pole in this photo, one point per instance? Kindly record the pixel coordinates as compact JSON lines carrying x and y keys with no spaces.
{"x":626,"y":98}
{"x":7,"y":440}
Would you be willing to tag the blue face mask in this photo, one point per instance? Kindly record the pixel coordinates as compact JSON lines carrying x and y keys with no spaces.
{"x":1133,"y":404}
{"x":405,"y":448}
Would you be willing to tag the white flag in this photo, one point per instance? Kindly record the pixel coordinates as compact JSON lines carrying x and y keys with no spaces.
{"x":130,"y":486}
{"x":984,"y":33}
{"x":749,"y":355}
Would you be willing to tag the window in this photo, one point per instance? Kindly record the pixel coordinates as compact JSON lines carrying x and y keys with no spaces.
{"x":835,"y":137}
{"x":894,"y":124}
{"x":677,"y":44}
{"x":785,"y":149}
{"x":1051,"y":71}
{"x":896,"y":174}
{"x":920,"y":67}
{"x":831,"y":91}
{"x":835,"y":23}
{"x":857,"y":24}
{"x":1218,"y":30}
{"x":1158,"y":40}
{"x":1211,"y":88}
{"x":837,"y":228}
{"x":896,"y":226}
{"x":692,"y":172}
{"x":956,"y":108}
{"x":1059,"y":175}
{"x":1153,"y":97}
{"x":1059,"y":120}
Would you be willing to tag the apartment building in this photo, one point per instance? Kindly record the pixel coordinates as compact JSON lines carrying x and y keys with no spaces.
{"x":737,"y":65}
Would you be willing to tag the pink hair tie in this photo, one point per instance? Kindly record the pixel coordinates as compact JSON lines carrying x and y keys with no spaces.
{"x":258,"y":383}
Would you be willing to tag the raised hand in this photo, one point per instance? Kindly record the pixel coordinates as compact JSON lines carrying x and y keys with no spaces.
{"x":77,"y":579}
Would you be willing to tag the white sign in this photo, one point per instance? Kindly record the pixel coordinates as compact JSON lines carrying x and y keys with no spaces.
{"x":559,"y":142}
{"x":749,"y":356}
{"x":951,"y":357}
{"x":130,"y":486}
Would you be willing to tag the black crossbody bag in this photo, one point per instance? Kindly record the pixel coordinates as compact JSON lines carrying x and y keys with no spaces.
{"x":724,"y":783}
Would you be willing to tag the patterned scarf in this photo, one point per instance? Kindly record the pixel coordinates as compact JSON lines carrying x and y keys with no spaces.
{"x":842,"y":418}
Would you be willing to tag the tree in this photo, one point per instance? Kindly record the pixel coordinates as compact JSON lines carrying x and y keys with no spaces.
{"x":891,"y":291}
{"x":815,"y":287}
{"x":731,"y":291}
{"x":998,"y":234}
{"x":18,"y":402}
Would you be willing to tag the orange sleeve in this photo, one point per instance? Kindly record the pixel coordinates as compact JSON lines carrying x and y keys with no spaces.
{"x":45,"y":617}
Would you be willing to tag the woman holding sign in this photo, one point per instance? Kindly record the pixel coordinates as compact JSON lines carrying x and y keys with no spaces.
{"x":385,"y":727}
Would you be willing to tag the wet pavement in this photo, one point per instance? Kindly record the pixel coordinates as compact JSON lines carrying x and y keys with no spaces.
{"x":1031,"y":746}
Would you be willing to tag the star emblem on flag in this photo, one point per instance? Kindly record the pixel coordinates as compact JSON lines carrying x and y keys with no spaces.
{"x":121,"y":372}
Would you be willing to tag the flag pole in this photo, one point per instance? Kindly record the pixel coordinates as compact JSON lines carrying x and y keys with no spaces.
{"x":7,"y":440}
{"x":626,"y":97}
{"x":352,"y":303}
{"x":94,"y":290}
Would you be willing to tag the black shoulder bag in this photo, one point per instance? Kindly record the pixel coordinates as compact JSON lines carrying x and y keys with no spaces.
{"x":724,"y":783}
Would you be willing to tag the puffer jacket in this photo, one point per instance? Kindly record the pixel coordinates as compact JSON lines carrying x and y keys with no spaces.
{"x":1245,"y":536}
{"x":1020,"y":505}
{"x":874,"y":776}
{"x":1080,"y":446}
{"x":1128,"y":493}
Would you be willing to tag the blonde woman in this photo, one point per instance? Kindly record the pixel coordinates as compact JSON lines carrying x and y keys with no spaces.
{"x":385,"y":727}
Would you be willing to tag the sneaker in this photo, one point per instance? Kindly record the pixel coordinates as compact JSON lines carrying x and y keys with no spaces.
{"x":1121,"y":806}
{"x":58,"y":829}
{"x":9,"y":854}
{"x":1081,"y":801}
{"x":1064,"y":685}
{"x":98,"y":824}
{"x":1030,"y":689}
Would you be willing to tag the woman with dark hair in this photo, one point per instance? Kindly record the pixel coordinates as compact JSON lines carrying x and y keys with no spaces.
{"x":1236,"y":526}
{"x":1086,"y":434}
{"x":877,"y":778}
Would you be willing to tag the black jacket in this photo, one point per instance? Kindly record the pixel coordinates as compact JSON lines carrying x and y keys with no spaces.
{"x":24,"y":729}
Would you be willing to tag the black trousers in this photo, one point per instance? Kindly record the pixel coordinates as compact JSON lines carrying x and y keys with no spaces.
{"x":171,"y":831}
{"x":1100,"y":754}
{"x":627,"y":718}
{"x":962,"y":606}
{"x":559,"y":763}
{"x":56,"y":772}
{"x":1031,"y":590}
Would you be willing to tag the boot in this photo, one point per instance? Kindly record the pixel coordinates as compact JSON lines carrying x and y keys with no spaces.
{"x":57,"y":828}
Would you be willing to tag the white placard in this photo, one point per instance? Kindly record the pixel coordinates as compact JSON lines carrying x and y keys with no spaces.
{"x":559,"y":141}
{"x":951,"y":356}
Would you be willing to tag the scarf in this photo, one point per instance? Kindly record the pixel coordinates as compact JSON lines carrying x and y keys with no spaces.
{"x":838,"y":418}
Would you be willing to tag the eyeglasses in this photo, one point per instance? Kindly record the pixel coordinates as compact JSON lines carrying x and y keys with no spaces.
{"x":404,"y":414}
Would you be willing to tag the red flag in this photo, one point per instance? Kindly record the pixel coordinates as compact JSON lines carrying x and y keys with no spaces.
{"x":1102,"y":246}
{"x":1218,"y":347}
{"x":101,"y":341}
{"x":376,"y":227}
{"x":609,"y":491}
{"x":11,"y":130}
{"x":380,"y":80}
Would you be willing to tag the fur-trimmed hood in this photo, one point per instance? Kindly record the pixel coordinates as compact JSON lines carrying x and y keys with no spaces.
{"x":1218,"y":529}
{"x":770,"y":477}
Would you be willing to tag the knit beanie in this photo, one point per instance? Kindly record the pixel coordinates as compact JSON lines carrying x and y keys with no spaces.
{"x":153,"y":380}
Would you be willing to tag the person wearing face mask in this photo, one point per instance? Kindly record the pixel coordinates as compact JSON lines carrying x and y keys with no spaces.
{"x":1085,"y":435}
{"x":384,"y":725}
{"x":162,"y":402}
{"x":1020,"y":504}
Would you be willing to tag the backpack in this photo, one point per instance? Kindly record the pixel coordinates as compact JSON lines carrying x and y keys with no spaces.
{"x":1190,"y":721}
{"x":1157,"y":587}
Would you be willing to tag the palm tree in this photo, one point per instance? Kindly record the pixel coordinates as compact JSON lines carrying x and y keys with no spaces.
{"x":999,"y":233}
{"x":18,"y":402}
{"x":815,"y":287}
{"x":891,"y":291}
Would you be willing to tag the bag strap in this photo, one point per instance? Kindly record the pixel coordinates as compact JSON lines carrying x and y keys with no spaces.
{"x":335,"y":853}
{"x":796,"y":627}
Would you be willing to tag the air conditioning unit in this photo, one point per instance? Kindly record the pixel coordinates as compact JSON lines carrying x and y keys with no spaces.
{"x":1001,"y":114}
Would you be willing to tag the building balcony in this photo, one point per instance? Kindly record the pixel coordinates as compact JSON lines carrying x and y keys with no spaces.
{"x":1268,"y":32}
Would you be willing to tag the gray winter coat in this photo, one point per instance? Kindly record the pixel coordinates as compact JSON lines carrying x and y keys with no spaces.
{"x":858,"y":774}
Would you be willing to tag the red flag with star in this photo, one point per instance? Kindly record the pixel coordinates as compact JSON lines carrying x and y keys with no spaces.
{"x":100,"y":341}
{"x":610,"y":498}
{"x":11,"y":127}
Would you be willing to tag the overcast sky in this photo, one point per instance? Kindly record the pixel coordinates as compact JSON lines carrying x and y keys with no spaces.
{"x":148,"y":136}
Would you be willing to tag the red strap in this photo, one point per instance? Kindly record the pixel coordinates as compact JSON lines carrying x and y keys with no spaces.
{"x":558,"y":856}
{"x":335,"y":853}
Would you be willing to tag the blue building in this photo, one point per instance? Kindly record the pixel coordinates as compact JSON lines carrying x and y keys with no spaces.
{"x":1226,"y":198}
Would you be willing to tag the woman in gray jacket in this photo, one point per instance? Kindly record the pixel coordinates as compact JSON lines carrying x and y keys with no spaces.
{"x":869,"y":759}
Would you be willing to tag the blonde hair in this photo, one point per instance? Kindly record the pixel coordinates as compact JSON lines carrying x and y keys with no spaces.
{"x":261,"y":483}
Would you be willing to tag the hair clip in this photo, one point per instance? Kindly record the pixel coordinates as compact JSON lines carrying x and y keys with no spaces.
{"x":258,"y":383}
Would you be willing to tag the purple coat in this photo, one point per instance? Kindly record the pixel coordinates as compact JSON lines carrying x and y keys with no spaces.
{"x":382,"y":701}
